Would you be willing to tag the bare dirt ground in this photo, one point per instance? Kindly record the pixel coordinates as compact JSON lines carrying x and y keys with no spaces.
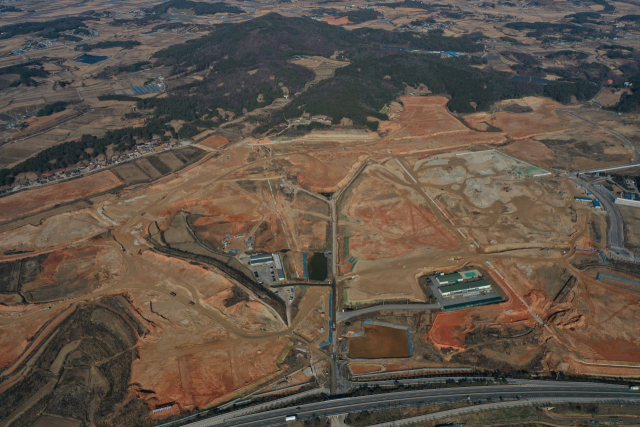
{"x":379,"y":342}
{"x":427,"y":125}
{"x":631,"y":217}
{"x":409,"y":203}
{"x":39,"y":199}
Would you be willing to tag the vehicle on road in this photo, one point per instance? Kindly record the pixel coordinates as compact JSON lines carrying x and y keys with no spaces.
{"x":634,"y":387}
{"x":290,"y":418}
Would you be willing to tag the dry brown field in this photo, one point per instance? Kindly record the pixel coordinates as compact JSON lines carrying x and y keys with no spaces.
{"x":39,"y":199}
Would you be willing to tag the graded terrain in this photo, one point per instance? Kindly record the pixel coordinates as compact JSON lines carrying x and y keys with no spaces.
{"x":212,"y":205}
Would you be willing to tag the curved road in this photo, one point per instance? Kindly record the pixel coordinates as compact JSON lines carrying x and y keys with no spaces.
{"x":536,"y":390}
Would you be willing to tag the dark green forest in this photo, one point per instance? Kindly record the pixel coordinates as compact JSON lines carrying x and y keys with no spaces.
{"x":25,"y":70}
{"x":362,"y":88}
{"x":199,"y":8}
{"x":50,"y":109}
{"x":630,"y":103}
{"x":126,"y":44}
{"x":48,"y":29}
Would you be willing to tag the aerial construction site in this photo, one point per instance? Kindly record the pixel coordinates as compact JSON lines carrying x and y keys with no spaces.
{"x":227,"y":257}
{"x":156,"y":293}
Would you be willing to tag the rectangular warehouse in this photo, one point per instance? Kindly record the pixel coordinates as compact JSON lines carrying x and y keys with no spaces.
{"x":449,"y":279}
{"x":260,"y":259}
{"x":466,"y":288}
{"x":460,"y":276}
{"x":279,"y":269}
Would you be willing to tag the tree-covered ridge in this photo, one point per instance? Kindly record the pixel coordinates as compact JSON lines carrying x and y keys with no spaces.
{"x":125,"y":44}
{"x":199,"y":8}
{"x":362,"y":88}
{"x":274,"y":37}
{"x":47,"y":29}
{"x":247,"y":64}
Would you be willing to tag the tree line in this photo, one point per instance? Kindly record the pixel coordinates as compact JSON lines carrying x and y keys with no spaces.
{"x":125,"y":44}
{"x":47,"y":29}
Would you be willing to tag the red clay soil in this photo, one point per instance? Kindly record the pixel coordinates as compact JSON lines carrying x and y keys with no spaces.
{"x":14,"y":339}
{"x":423,"y":116}
{"x":401,"y":367}
{"x":270,"y":237}
{"x":449,"y":329}
{"x":215,"y":141}
{"x":195,"y":379}
{"x":222,"y":203}
{"x":40,"y":199}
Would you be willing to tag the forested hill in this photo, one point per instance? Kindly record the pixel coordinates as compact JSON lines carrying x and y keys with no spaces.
{"x":253,"y":58}
{"x":273,"y":37}
{"x":199,"y":8}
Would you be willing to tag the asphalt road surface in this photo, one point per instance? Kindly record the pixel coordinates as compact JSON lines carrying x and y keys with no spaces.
{"x":615,"y":238}
{"x":549,"y":391}
{"x":349,"y":314}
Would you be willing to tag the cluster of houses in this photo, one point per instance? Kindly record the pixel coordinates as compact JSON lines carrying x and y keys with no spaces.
{"x":308,"y":120}
{"x":99,"y":162}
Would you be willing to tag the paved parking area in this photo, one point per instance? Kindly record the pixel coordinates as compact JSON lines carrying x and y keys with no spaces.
{"x":265,"y":274}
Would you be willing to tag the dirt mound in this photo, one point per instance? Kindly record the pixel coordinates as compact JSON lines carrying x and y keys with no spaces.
{"x":449,"y":329}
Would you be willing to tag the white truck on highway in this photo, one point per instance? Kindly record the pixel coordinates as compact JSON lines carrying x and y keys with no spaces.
{"x":634,"y":387}
{"x":290,"y":418}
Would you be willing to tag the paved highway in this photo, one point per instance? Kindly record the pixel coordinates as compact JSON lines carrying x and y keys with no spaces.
{"x":349,"y":314}
{"x":615,"y":238}
{"x":547,"y":391}
{"x":505,"y":405}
